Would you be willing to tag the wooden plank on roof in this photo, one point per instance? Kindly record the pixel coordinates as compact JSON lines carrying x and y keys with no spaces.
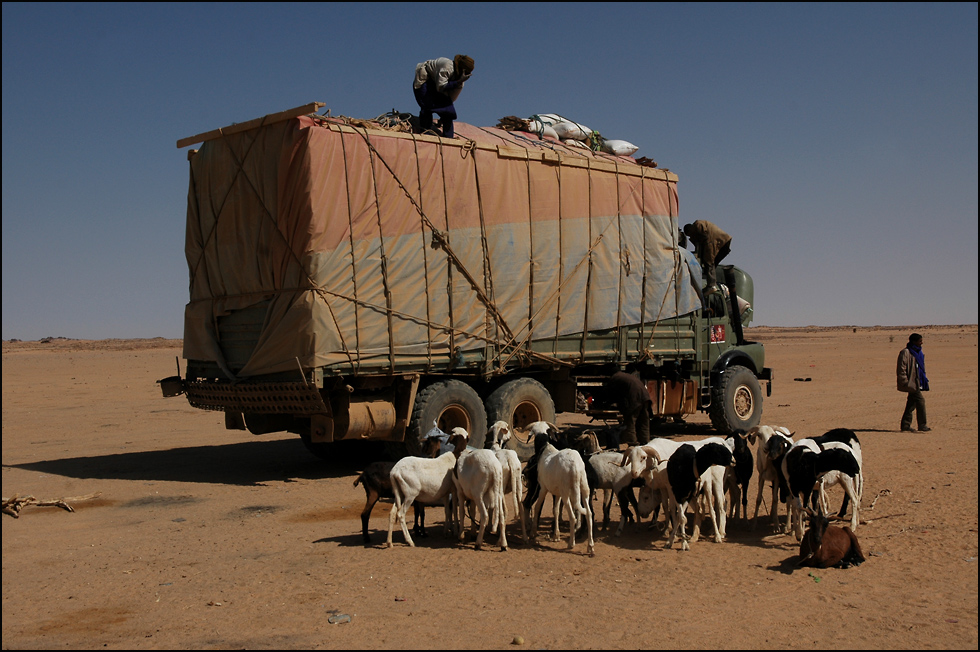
{"x":519,"y":153}
{"x":312,"y":107}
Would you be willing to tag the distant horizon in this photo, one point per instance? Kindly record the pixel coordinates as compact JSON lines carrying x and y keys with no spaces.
{"x":757,"y":326}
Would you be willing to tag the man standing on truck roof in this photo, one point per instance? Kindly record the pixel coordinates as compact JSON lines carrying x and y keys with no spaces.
{"x":912,"y":379}
{"x":437,"y":84}
{"x":711,"y":245}
{"x":633,"y":399}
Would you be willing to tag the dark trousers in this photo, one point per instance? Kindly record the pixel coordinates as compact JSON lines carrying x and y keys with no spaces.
{"x":916,"y":402}
{"x":636,"y":425}
{"x":710,"y":266}
{"x":432,"y":101}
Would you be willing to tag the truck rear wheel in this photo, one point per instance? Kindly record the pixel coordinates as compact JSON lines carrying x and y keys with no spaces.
{"x":449,"y":404}
{"x":520,"y":402}
{"x":736,"y":401}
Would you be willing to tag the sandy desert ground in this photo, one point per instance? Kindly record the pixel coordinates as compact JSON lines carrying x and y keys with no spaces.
{"x":203,"y":537}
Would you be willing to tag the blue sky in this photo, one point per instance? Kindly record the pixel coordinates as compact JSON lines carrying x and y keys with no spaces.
{"x":837,"y":144}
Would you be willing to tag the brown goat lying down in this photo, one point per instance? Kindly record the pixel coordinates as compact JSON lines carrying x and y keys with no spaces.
{"x":825,"y":545}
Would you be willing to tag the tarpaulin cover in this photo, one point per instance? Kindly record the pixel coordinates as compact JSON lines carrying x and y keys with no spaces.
{"x":367,"y":249}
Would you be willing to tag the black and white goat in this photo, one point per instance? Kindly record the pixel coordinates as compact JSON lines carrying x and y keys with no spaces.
{"x":804,"y":465}
{"x":737,"y":477}
{"x":687,"y":469}
{"x":853,"y":485}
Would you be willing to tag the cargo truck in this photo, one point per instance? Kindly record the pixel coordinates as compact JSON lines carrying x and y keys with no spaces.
{"x":354,"y":282}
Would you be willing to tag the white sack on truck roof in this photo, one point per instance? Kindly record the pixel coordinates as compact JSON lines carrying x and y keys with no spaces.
{"x":619,"y":147}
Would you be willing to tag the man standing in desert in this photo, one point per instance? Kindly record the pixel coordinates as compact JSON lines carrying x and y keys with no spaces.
{"x":912,"y":379}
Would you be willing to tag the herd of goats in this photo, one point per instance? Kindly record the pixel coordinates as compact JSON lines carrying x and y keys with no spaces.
{"x":709,"y":476}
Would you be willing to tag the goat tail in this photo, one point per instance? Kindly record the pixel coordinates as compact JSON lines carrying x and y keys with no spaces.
{"x":358,"y":479}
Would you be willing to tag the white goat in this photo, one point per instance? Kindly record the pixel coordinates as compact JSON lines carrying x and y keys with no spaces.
{"x":479,"y":478}
{"x":423,"y":480}
{"x":654,"y":493}
{"x":562,"y":473}
{"x":499,"y":435}
{"x":773,"y":444}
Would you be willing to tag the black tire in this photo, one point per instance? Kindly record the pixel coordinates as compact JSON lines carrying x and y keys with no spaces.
{"x":449,"y":404}
{"x":736,"y":401}
{"x":520,"y":402}
{"x":325,"y":451}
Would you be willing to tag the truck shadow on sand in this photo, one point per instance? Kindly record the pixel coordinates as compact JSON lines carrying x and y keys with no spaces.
{"x":245,"y":463}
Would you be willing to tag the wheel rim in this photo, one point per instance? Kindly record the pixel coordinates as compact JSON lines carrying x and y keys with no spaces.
{"x":454,"y":416}
{"x":742,"y":402}
{"x":524,"y":414}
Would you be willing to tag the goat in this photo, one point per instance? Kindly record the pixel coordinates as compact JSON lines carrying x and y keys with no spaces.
{"x":428,"y":481}
{"x":825,"y":546}
{"x":737,"y":477}
{"x":612,"y":479}
{"x":479,"y":477}
{"x":560,"y":441}
{"x":803,"y":466}
{"x":853,"y":485}
{"x":650,"y":459}
{"x":653,"y":496}
{"x":376,"y":480}
{"x":687,"y":470}
{"x":642,"y":462}
{"x":773,"y":444}
{"x":599,"y":473}
{"x":562,"y":473}
{"x":498,"y":435}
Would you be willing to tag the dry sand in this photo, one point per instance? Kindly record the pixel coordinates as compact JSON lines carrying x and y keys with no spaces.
{"x":208,"y":538}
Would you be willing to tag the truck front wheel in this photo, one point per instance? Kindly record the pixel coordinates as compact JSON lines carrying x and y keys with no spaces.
{"x":447,"y":404}
{"x":520,"y":402}
{"x":736,"y":401}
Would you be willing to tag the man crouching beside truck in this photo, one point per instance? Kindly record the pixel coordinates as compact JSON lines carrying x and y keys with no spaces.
{"x":634,"y":402}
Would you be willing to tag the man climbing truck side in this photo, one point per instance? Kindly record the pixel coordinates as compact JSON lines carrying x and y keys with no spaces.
{"x":353,"y":282}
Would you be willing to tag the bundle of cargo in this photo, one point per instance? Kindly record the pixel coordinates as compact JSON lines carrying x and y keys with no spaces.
{"x":569,"y":132}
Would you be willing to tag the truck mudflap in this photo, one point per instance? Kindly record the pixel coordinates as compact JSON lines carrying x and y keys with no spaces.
{"x":296,"y":398}
{"x":766,"y":377}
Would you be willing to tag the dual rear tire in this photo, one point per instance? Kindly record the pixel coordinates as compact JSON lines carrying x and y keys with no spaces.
{"x":452,"y":403}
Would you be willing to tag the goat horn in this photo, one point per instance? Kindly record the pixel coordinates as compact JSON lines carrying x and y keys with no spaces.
{"x":626,"y":457}
{"x":653,"y":452}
